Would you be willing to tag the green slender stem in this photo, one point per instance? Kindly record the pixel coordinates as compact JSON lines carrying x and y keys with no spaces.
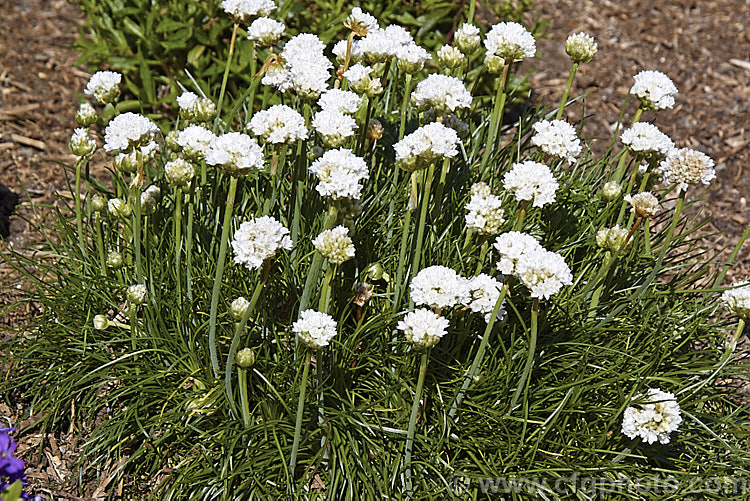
{"x":413,"y":421}
{"x":135,"y":199}
{"x":496,"y":118}
{"x":472,"y":7}
{"x":325,"y":290}
{"x":239,"y":328}
{"x":312,"y":273}
{"x":405,"y":232}
{"x":568,"y":85}
{"x":244,"y":402}
{"x":422,"y":220}
{"x":405,"y":106}
{"x":530,"y":357}
{"x":227,"y":224}
{"x":438,"y":207}
{"x":100,"y":244}
{"x":482,"y":254}
{"x":646,"y":237}
{"x":178,"y":240}
{"x":79,"y":216}
{"x":226,"y":76}
{"x":189,"y":243}
{"x":396,"y":170}
{"x":133,"y":316}
{"x":300,"y":409}
{"x":478,"y":357}
{"x":732,"y":257}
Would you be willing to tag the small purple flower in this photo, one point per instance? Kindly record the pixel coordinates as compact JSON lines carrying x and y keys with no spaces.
{"x":10,"y":466}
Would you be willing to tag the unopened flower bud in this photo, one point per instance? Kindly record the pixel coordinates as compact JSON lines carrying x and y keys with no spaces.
{"x":86,"y":115}
{"x":494,"y":64}
{"x":205,"y":110}
{"x":239,"y":307}
{"x":580,"y":47}
{"x":375,"y":129}
{"x":611,"y":239}
{"x":645,"y":204}
{"x":149,"y":200}
{"x":98,"y":203}
{"x":450,"y":57}
{"x":126,"y":162}
{"x":245,"y":358}
{"x":467,"y":38}
{"x":171,"y":140}
{"x":100,"y":322}
{"x":315,"y":152}
{"x":611,"y":191}
{"x":374,"y":271}
{"x":114,"y":260}
{"x":81,"y":144}
{"x":136,"y":294}
{"x":117,"y":207}
{"x":179,"y":172}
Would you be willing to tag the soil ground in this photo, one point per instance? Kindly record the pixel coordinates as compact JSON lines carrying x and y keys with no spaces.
{"x":702,"y":45}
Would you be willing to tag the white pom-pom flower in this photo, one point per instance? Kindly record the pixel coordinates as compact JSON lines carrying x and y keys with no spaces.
{"x":104,"y":86}
{"x":581,"y":47}
{"x":241,"y":11}
{"x":333,"y":127}
{"x":340,"y":172}
{"x":343,"y":101}
{"x":484,"y":211}
{"x":439,"y":287}
{"x":645,"y":204}
{"x":655,"y":90}
{"x":513,"y":247}
{"x":360,"y":22}
{"x":315,"y":329}
{"x":128,"y":131}
{"x":467,"y":38}
{"x":335,"y":245}
{"x":737,"y":299}
{"x":265,"y":31}
{"x":510,"y":42}
{"x":425,"y":145}
{"x":236,"y":153}
{"x":278,"y":124}
{"x":442,"y":93}
{"x":653,"y":417}
{"x":647,"y":140}
{"x":557,"y":138}
{"x":195,"y":142}
{"x":532,"y":182}
{"x":684,"y":167}
{"x":423,"y":327}
{"x":258,"y":240}
{"x":543,"y":272}
{"x":485,"y":291}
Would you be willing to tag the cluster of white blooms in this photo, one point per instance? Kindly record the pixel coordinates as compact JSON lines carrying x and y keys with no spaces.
{"x":514,"y":247}
{"x":136,"y":294}
{"x":193,"y":107}
{"x":611,"y":239}
{"x":581,"y":47}
{"x":278,"y":124}
{"x":265,"y":31}
{"x":611,"y":190}
{"x":258,"y":240}
{"x":441,"y":93}
{"x":467,"y":38}
{"x":531,"y":181}
{"x":315,"y":329}
{"x":645,"y":204}
{"x":380,"y":45}
{"x":339,"y":50}
{"x":128,"y":162}
{"x":195,"y":142}
{"x":655,"y":416}
{"x":361,"y":23}
{"x":150,"y":200}
{"x":655,"y":90}
{"x":117,"y":207}
{"x":647,"y":140}
{"x":86,"y":115}
{"x":335,"y":245}
{"x":333,"y":127}
{"x":305,"y":69}
{"x":439,"y":287}
{"x":485,"y":213}
{"x":425,"y":145}
{"x":411,"y":58}
{"x":361,"y":80}
{"x":343,"y":101}
{"x":423,"y":327}
{"x":239,"y":307}
{"x":485,"y":291}
{"x":509,"y":42}
{"x":450,"y":57}
{"x":236,"y":153}
{"x":684,"y":167}
{"x":114,"y":260}
{"x":544,"y":273}
{"x":241,"y":11}
{"x":737,"y":299}
{"x":179,"y":172}
{"x":104,"y":86}
{"x":557,"y":138}
{"x":128,"y":131}
{"x":81,"y":144}
{"x":340,"y":172}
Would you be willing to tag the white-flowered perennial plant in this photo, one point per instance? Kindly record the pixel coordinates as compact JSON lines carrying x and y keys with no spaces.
{"x":611,"y":239}
{"x":645,"y":204}
{"x":544,"y":273}
{"x":81,"y":144}
{"x":343,"y":101}
{"x":278,"y":124}
{"x":128,"y":131}
{"x":104,"y":86}
{"x":259,"y":239}
{"x":441,"y":93}
{"x":236,"y":153}
{"x":425,"y":145}
{"x":581,"y":47}
{"x":737,"y":299}
{"x":195,"y":142}
{"x":241,"y":11}
{"x":136,"y":294}
{"x":467,"y":38}
{"x":684,"y":167}
{"x":333,"y":127}
{"x":557,"y":138}
{"x":335,"y":245}
{"x":510,"y":42}
{"x":315,"y":329}
{"x":450,"y":57}
{"x":265,"y":31}
{"x":647,"y":140}
{"x":361,"y":80}
{"x":439,"y":287}
{"x":86,"y":115}
{"x":484,"y":211}
{"x":411,"y":58}
{"x":361,"y":23}
{"x":655,"y":90}
{"x":514,"y":247}
{"x":653,"y":417}
{"x":485,"y":291}
{"x":179,"y":172}
{"x":423,"y":327}
{"x":531,"y":182}
{"x":340,"y":172}
{"x":193,"y":107}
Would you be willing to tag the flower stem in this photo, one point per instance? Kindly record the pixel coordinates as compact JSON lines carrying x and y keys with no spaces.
{"x":100,"y":244}
{"x":219,"y":273}
{"x":325,"y":290}
{"x":413,"y":421}
{"x":482,"y":254}
{"x":405,"y":232}
{"x":189,"y":244}
{"x":79,"y":216}
{"x":135,"y":199}
{"x":133,"y":316}
{"x":422,"y":220}
{"x":317,"y":263}
{"x":728,"y":264}
{"x":530,"y":357}
{"x":244,"y":402}
{"x":226,"y":75}
{"x":472,"y":7}
{"x":300,"y":409}
{"x":441,"y":185}
{"x":496,"y":118}
{"x":178,"y":239}
{"x":568,"y":85}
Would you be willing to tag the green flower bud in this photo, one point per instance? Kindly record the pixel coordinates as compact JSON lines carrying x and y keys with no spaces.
{"x":114,"y":260}
{"x":100,"y":322}
{"x":98,"y":203}
{"x":245,"y":358}
{"x":136,"y":294}
{"x":86,"y":115}
{"x":239,"y":307}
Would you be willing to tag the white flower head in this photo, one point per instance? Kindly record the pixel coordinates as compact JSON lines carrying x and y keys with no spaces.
{"x":239,"y":307}
{"x":187,"y":101}
{"x":305,"y":69}
{"x":450,"y":57}
{"x":531,"y":181}
{"x":104,"y":86}
{"x":278,"y":124}
{"x":361,"y":80}
{"x":128,"y":131}
{"x":335,"y":245}
{"x":259,"y":239}
{"x":193,"y":107}
{"x":467,"y":38}
{"x":377,"y":47}
{"x":117,"y":207}
{"x":485,"y":291}
{"x":241,"y":11}
{"x":439,"y":287}
{"x":195,"y":142}
{"x":653,"y":417}
{"x":655,"y":90}
{"x":86,"y":115}
{"x":647,"y":141}
{"x":236,"y":153}
{"x":645,"y":204}
{"x":361,"y":23}
{"x":265,"y":31}
{"x":411,"y":58}
{"x":484,"y":211}
{"x":340,"y":172}
{"x":543,"y":272}
{"x":737,"y":299}
{"x":684,"y":167}
{"x":334,"y":127}
{"x":425,"y":145}
{"x":611,"y":190}
{"x":315,"y":329}
{"x":343,"y":101}
{"x":339,"y":50}
{"x":81,"y":144}
{"x":557,"y":138}
{"x":150,"y":200}
{"x":442,"y":93}
{"x":179,"y":172}
{"x":513,"y":247}
{"x":581,"y":47}
{"x":136,"y":294}
{"x":423,"y":327}
{"x":510,"y":42}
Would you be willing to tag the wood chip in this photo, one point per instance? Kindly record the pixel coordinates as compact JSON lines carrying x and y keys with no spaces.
{"x":740,"y":63}
{"x":19,"y":110}
{"x":39,"y":145}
